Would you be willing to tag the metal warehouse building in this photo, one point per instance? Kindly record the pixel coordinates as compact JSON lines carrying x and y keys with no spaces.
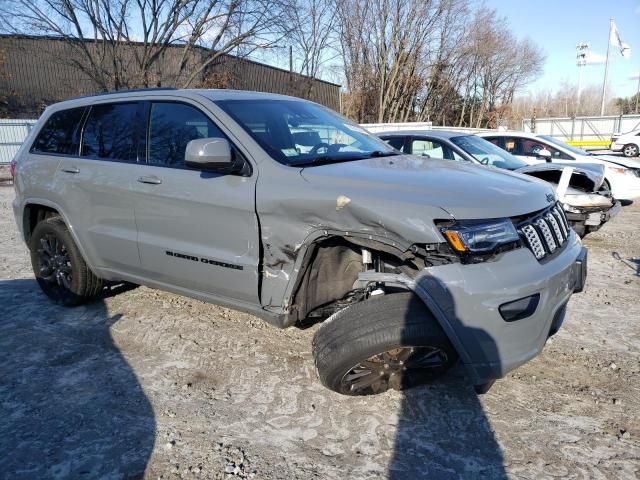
{"x":38,"y":71}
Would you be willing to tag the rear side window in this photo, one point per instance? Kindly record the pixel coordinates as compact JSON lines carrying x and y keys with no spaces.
{"x":395,"y":142}
{"x":109,"y":132}
{"x":59,"y":134}
{"x":171,"y":127}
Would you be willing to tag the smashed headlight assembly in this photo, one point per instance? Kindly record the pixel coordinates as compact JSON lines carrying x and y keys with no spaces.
{"x":479,"y":237}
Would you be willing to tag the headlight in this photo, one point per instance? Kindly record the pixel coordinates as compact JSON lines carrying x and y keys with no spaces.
{"x":482,"y":236}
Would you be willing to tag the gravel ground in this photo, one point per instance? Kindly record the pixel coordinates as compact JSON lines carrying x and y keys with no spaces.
{"x":145,"y":384}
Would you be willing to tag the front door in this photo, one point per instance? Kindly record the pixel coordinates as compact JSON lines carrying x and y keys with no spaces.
{"x":196,"y":229}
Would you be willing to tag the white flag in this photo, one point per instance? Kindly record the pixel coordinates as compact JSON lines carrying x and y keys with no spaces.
{"x":614,"y":39}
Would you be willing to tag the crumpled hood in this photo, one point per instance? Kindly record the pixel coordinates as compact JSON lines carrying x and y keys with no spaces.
{"x":594,"y":172}
{"x":623,"y":161}
{"x":465,"y":191}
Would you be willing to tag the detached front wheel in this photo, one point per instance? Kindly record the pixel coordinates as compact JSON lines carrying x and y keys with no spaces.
{"x":389,"y":341}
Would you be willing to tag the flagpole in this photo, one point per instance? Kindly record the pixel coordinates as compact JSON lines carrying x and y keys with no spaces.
{"x":606,"y":68}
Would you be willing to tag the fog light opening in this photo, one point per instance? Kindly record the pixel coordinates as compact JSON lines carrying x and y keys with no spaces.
{"x":519,"y":309}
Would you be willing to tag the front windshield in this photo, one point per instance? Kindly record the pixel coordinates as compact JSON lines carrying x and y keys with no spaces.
{"x":487,"y":153}
{"x":299,"y":133}
{"x":555,"y":141}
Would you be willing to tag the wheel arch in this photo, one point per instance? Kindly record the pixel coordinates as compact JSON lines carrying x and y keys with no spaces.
{"x":409,"y":277}
{"x":340,"y":255}
{"x":36,"y":209}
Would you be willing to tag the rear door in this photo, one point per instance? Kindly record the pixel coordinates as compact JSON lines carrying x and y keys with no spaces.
{"x":196,"y":229}
{"x":97,"y":188}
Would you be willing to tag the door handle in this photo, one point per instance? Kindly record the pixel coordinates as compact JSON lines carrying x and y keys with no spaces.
{"x":71,"y":169}
{"x":151,"y":180}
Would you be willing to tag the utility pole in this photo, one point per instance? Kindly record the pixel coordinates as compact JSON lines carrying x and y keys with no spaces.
{"x":606,"y":68}
{"x":290,"y":59}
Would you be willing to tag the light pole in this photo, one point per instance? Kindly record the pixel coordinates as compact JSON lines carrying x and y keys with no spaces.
{"x":582,"y":51}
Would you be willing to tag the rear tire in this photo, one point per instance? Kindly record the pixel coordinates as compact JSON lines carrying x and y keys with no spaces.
{"x":630,"y":150}
{"x":58,"y":266}
{"x":390,"y":341}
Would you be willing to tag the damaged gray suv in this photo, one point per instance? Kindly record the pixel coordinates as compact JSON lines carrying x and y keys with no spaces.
{"x":280,"y":207}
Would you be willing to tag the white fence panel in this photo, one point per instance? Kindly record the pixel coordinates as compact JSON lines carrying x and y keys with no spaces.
{"x":406,"y":126}
{"x":12,"y":134}
{"x":595,"y":130}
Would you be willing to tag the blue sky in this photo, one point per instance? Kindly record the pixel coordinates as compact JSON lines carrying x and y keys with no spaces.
{"x":557,"y":26}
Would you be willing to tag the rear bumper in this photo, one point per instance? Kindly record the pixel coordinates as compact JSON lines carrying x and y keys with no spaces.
{"x":467,"y":298}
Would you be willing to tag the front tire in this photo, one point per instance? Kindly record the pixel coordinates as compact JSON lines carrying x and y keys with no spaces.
{"x":390,"y":341}
{"x":57,"y":263}
{"x":630,"y":150}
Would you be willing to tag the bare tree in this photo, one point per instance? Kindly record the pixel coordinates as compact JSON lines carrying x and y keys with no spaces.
{"x":313,"y":35}
{"x":123,"y":43}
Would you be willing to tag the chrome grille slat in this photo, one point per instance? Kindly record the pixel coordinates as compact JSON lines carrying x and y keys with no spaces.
{"x":545,"y":232}
{"x":544,"y":227}
{"x":556,"y":228}
{"x":565,"y":231}
{"x":534,"y":241}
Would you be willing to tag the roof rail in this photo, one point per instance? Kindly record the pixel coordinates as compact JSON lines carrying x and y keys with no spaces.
{"x":115,"y":92}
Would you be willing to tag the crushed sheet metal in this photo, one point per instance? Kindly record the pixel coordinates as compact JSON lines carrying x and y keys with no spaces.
{"x":564,"y":183}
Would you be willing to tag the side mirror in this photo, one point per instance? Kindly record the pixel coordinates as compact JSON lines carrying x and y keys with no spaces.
{"x":209,"y":154}
{"x":544,"y":154}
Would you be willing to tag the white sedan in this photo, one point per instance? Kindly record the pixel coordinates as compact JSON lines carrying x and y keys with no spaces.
{"x":622,"y":175}
{"x":627,"y":143}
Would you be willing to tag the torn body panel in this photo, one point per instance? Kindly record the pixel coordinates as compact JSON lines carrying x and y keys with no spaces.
{"x":587,"y":203}
{"x":386,"y":204}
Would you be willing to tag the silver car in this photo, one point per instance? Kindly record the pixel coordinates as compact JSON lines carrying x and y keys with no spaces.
{"x":282,"y":208}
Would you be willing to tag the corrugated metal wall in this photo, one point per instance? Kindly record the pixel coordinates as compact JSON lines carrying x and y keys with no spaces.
{"x":36,"y":72}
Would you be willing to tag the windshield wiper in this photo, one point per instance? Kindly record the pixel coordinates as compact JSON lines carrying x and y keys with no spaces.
{"x":326,"y":159}
{"x":380,"y":153}
{"x":323,"y":160}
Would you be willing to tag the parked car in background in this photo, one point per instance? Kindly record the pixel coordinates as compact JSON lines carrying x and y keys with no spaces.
{"x":622,"y":175}
{"x":587,"y":204}
{"x":627,"y":143}
{"x":280,"y":207}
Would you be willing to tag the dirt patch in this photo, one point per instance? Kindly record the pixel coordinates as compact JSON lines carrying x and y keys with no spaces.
{"x":145,"y":383}
{"x":5,"y":175}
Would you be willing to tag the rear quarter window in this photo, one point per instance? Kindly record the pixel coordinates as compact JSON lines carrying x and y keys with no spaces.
{"x":60,"y":133}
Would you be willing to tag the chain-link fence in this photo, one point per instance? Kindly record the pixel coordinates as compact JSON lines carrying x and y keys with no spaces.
{"x":12,"y":134}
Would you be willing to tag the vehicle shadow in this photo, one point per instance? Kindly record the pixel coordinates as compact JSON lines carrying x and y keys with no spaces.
{"x":636,"y":261}
{"x":71,"y":405}
{"x":442,"y":430}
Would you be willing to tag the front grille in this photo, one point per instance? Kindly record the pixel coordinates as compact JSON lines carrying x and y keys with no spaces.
{"x":545,"y":232}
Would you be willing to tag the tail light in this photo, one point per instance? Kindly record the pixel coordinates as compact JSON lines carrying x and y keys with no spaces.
{"x":13,"y":168}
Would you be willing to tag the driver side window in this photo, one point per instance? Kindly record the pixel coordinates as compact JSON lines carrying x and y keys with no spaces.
{"x":171,"y":127}
{"x":531,"y":148}
{"x":427,"y":148}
